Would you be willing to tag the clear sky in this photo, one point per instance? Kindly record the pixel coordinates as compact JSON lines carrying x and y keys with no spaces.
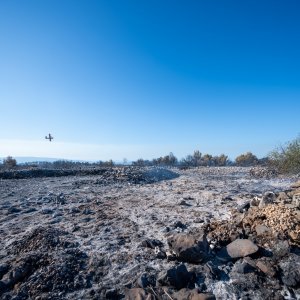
{"x":115,"y":79}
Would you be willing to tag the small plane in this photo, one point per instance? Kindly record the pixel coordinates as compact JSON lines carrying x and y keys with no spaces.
{"x":49,"y":137}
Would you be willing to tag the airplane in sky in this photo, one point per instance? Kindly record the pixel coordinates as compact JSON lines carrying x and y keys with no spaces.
{"x":49,"y":137}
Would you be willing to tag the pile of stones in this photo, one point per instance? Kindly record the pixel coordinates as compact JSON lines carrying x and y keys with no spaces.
{"x":135,"y":175}
{"x":263,"y":172}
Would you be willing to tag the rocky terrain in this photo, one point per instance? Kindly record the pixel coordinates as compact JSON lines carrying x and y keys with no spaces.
{"x":149,"y":233}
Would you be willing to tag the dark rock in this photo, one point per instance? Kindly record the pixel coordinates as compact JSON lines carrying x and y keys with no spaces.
{"x":212,"y":271}
{"x":160,"y":254}
{"x":177,"y":277}
{"x":152,"y":243}
{"x":189,"y":248}
{"x":13,"y":210}
{"x":227,"y":198}
{"x":146,"y":280}
{"x":179,"y":224}
{"x":3,"y":287}
{"x":188,"y":198}
{"x":186,"y":294}
{"x":223,"y":255}
{"x":138,"y":294}
{"x":3,"y":269}
{"x":244,"y":207}
{"x":184,"y":203}
{"x":112,"y":294}
{"x":241,"y":248}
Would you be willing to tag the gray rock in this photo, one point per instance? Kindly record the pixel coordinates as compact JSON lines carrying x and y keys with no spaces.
{"x":244,"y":207}
{"x":242,"y":267}
{"x":261,"y":229}
{"x":296,"y":200}
{"x":189,"y":248}
{"x":241,"y":248}
{"x":46,"y":211}
{"x":282,"y":197}
{"x":268,"y":198}
{"x":255,"y":201}
{"x":265,"y":267}
{"x":281,"y":249}
{"x":290,"y":268}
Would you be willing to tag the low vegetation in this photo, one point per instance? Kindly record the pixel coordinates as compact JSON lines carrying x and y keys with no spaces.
{"x":286,"y":158}
{"x":9,"y":163}
{"x":247,"y":159}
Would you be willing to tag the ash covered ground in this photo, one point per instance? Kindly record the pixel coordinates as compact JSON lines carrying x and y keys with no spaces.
{"x":149,"y":233}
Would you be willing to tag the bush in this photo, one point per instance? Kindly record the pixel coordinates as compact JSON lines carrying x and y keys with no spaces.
{"x":286,"y":159}
{"x":247,"y":159}
{"x":221,"y":160}
{"x":9,"y":162}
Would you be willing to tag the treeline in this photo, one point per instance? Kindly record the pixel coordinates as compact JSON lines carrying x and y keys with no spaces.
{"x":286,"y":159}
{"x":198,"y":159}
{"x":10,"y":163}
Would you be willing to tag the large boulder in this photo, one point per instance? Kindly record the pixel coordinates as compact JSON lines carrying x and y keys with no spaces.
{"x":241,"y":248}
{"x":189,"y":248}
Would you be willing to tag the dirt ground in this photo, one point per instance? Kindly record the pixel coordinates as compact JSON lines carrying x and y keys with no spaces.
{"x":96,"y":233}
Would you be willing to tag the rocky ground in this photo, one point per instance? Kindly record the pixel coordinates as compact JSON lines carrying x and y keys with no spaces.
{"x":149,"y":233}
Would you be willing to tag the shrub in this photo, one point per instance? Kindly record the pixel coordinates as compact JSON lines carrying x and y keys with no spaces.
{"x":221,"y":160}
{"x":9,"y":162}
{"x":286,"y":158}
{"x":247,"y":159}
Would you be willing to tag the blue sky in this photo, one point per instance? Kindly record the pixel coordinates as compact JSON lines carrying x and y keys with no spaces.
{"x":115,"y":79}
